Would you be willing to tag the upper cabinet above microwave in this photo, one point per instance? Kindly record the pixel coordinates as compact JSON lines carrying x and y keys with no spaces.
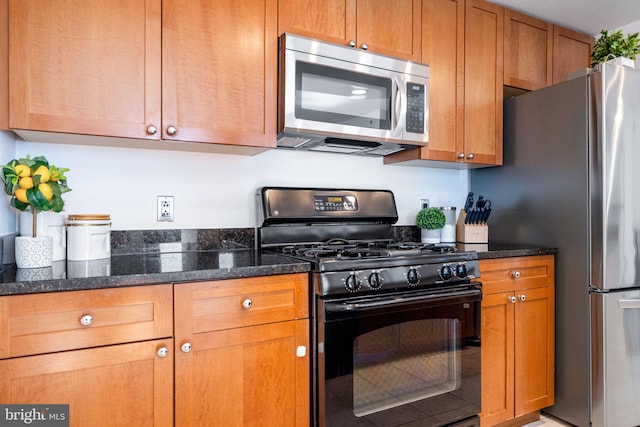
{"x":114,"y":72}
{"x":391,"y":28}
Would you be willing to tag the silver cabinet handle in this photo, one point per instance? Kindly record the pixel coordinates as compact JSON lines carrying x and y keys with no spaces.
{"x":171,"y":130}
{"x":163,"y":352}
{"x":352,"y":43}
{"x":186,"y":347}
{"x":364,"y":46}
{"x":151,"y":130}
{"x":515,"y":274}
{"x":523,"y":297}
{"x":86,"y":320}
{"x":629,"y":303}
{"x":470,"y":156}
{"x":512,"y":299}
{"x":247,"y":303}
{"x":461,"y":156}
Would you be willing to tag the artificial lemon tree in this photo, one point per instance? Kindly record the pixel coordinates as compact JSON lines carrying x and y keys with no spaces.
{"x":35,"y":183}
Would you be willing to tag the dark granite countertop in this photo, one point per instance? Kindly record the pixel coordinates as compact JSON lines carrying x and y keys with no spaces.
{"x":176,"y":267}
{"x":146,"y":269}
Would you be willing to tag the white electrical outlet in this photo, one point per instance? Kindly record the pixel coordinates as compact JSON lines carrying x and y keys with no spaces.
{"x":165,"y":208}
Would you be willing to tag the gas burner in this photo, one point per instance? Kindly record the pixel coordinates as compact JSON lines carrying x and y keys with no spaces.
{"x":421,"y":248}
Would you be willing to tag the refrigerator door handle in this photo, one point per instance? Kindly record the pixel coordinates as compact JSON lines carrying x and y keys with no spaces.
{"x":629,"y":303}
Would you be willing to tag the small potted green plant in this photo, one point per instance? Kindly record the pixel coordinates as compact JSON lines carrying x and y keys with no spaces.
{"x":34,"y":185}
{"x":614,"y":45}
{"x":430,"y":221}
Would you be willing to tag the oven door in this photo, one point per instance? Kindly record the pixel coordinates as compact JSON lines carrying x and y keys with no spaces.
{"x":410,"y":357}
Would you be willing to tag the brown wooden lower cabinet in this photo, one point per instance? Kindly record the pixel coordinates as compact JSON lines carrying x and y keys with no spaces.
{"x":242,"y":352}
{"x":240,"y":356}
{"x":120,"y":385}
{"x":517,"y":338}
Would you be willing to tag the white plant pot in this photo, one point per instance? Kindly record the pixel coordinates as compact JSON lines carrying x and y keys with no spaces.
{"x":429,"y":236}
{"x":34,"y":252}
{"x":621,"y":60}
{"x":49,"y":224}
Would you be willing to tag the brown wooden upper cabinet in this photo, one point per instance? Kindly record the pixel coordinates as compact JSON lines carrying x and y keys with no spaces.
{"x":462,"y":42}
{"x":571,"y":52}
{"x":528,"y":47}
{"x":145,"y":71}
{"x":389,"y":27}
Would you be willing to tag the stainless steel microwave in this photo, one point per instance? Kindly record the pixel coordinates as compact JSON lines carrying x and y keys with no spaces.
{"x":336,"y":98}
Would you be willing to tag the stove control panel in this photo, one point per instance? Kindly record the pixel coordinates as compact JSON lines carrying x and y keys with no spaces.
{"x":395,"y":278}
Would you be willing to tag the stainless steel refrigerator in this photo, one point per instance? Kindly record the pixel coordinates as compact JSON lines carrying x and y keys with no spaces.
{"x":571,"y":180}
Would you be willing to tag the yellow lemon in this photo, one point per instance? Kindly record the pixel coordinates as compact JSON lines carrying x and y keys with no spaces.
{"x":46,"y":191}
{"x":43,"y":171}
{"x":26,"y":182}
{"x":21,"y":194}
{"x":22,"y":170}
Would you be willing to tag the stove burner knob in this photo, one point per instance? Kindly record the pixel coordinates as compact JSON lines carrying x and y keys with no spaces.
{"x":413,"y":277}
{"x":461,"y":271}
{"x":353,"y":283}
{"x":375,"y":281}
{"x":446,"y":272}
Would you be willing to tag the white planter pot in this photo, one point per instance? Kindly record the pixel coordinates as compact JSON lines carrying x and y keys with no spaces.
{"x":429,"y":236}
{"x":49,"y":224}
{"x":34,"y":252}
{"x":625,"y":62}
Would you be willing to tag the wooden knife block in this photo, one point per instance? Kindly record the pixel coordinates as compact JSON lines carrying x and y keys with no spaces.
{"x":471,"y":233}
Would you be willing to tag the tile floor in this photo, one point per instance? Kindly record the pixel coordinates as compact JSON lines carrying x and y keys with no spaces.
{"x":548,"y":421}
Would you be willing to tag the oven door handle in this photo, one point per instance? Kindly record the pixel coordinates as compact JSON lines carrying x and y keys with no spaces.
{"x":399,"y":300}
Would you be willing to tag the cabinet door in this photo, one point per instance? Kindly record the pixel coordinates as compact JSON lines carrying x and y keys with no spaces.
{"x":122,"y":385}
{"x":528,"y":47}
{"x":330,"y":20}
{"x":219,"y":72}
{"x":443,"y":51}
{"x":483,"y":87}
{"x":390,"y":27}
{"x":497,"y":358}
{"x":534,"y":350}
{"x":87,"y":67}
{"x":252,"y":376}
{"x":571,"y":52}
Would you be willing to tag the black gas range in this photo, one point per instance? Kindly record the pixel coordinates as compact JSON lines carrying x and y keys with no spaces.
{"x":395,"y":325}
{"x":347,"y":236}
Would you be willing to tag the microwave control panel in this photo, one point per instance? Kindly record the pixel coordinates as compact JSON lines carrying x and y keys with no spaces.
{"x":415,"y":108}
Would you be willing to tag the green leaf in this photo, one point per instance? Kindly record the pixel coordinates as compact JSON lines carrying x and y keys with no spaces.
{"x":37,"y":200}
{"x":18,"y":204}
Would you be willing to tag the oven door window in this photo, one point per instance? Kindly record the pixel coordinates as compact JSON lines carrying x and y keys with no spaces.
{"x":418,"y":361}
{"x":333,"y":95}
{"x":404,"y":363}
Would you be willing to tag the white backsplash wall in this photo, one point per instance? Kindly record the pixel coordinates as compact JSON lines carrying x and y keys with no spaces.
{"x":217,"y":191}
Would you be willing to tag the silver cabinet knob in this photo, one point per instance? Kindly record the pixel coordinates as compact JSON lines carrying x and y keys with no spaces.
{"x":186,"y":347}
{"x":151,"y":130}
{"x":86,"y":320}
{"x":461,"y":156}
{"x":523,"y":297}
{"x":352,"y":43}
{"x":515,"y":274}
{"x":470,"y":156}
{"x":171,"y":130}
{"x":512,"y":299}
{"x":364,"y":46}
{"x":247,"y":303}
{"x":163,"y":352}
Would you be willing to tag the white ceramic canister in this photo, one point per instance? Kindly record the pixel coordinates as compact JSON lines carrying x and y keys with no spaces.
{"x":88,"y":237}
{"x":448,"y":232}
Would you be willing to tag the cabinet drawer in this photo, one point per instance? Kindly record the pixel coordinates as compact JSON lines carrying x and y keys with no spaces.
{"x":510,"y":274}
{"x":43,"y":323}
{"x":224,"y":304}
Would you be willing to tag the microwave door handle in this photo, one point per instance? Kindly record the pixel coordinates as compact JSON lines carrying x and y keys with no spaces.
{"x":397,"y":104}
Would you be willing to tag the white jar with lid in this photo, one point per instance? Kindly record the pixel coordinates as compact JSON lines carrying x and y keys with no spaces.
{"x":88,"y":237}
{"x":448,"y":232}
